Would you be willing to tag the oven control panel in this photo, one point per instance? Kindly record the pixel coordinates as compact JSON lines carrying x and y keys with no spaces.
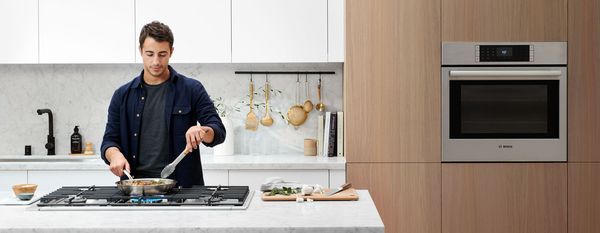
{"x":504,"y":53}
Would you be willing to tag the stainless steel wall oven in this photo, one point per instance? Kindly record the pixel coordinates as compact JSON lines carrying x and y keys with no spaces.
{"x":504,"y":101}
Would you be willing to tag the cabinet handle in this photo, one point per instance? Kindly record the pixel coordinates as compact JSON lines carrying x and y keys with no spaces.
{"x":505,"y":74}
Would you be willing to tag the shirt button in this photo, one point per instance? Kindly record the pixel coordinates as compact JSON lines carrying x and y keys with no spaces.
{"x":137,"y":115}
{"x":143,"y":98}
{"x":179,"y":111}
{"x":134,"y":156}
{"x":135,"y":134}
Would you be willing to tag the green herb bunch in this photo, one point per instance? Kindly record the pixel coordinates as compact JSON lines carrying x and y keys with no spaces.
{"x":284,"y":191}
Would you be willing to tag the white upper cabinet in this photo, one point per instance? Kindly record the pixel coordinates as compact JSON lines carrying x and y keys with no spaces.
{"x":336,"y":30}
{"x":86,"y":31}
{"x":205,"y":31}
{"x":279,"y":30}
{"x":19,"y":31}
{"x":201,"y":28}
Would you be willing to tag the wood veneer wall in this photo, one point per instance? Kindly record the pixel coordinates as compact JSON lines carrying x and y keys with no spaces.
{"x":392,"y":109}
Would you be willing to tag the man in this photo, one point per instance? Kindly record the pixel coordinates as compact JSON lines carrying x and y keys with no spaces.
{"x":152,"y":119}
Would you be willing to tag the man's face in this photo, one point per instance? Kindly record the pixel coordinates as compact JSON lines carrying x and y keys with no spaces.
{"x":156,"y":56}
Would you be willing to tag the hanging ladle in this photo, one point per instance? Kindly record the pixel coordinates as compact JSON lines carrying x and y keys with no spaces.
{"x":320,"y":106}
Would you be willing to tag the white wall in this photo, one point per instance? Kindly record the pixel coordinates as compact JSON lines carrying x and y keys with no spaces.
{"x":79,"y":95}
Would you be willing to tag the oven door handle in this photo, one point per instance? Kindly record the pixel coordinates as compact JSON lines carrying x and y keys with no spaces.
{"x":505,"y":74}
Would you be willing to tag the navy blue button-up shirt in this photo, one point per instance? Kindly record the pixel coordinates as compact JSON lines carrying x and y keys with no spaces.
{"x":186,"y":103}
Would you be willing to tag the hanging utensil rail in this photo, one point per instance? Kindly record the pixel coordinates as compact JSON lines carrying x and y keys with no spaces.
{"x":285,"y":72}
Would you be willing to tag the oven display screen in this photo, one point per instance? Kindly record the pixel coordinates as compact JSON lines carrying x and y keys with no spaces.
{"x":504,"y":51}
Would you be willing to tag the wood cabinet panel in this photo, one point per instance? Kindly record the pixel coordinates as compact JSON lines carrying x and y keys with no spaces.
{"x":392,"y":81}
{"x":584,"y":197}
{"x":505,"y":20}
{"x":508,"y":197}
{"x":584,"y":81}
{"x":407,"y":195}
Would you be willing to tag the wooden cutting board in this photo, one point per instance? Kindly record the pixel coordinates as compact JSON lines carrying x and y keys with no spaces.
{"x":346,"y":195}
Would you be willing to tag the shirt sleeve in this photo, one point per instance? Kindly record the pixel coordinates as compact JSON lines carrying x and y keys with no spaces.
{"x":111,"y":133}
{"x":208,"y":116}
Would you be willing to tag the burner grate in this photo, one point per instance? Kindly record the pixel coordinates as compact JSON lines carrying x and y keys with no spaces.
{"x":111,"y":196}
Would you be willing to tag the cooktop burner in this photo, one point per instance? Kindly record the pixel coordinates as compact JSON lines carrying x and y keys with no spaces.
{"x":110,"y":198}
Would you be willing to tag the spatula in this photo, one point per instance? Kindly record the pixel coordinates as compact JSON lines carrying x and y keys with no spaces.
{"x":169,"y":169}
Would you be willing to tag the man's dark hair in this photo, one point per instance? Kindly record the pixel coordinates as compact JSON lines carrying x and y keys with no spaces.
{"x":158,"y":31}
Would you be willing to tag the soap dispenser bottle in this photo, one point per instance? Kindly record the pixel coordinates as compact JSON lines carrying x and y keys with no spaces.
{"x":76,"y":146}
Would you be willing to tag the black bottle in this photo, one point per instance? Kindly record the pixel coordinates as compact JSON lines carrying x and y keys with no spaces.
{"x":76,"y":146}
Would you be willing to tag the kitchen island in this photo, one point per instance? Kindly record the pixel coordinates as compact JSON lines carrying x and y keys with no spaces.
{"x":310,"y":217}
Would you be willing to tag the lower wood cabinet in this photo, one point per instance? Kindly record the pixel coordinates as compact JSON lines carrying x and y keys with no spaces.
{"x":507,"y":197}
{"x":407,"y":195}
{"x":584,"y":197}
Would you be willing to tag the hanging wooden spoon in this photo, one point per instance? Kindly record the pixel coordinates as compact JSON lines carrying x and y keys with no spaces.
{"x":267,"y":120}
{"x":251,"y":119}
{"x":308,"y":105}
{"x":320,"y":106}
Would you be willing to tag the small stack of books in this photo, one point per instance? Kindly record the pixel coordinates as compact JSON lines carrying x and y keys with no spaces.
{"x":330,"y":134}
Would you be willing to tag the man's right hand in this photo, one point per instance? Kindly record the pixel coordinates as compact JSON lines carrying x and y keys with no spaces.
{"x":117,"y":161}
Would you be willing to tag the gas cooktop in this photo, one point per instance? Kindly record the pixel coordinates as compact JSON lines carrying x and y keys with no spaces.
{"x":111,"y":198}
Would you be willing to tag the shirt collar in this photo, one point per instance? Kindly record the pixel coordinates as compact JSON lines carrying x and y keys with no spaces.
{"x":137,"y":82}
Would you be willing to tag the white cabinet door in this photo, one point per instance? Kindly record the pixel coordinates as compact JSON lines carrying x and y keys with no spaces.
{"x":337,"y":178}
{"x":254,"y":178}
{"x":335,"y":29}
{"x":10,"y":178}
{"x":201,"y":28}
{"x":86,"y":31}
{"x":19,"y":31}
{"x":215,"y":177}
{"x":48,"y":181}
{"x":279,"y":30}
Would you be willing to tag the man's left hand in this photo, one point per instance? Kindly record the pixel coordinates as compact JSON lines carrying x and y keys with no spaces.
{"x":197,"y":134}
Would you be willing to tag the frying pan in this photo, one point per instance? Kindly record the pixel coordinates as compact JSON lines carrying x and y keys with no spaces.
{"x":128,"y":187}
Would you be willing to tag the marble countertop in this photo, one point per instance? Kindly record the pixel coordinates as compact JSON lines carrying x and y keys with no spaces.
{"x":65,"y":162}
{"x":308,"y":217}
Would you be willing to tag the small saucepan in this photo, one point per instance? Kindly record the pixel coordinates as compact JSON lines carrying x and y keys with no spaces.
{"x":145,"y":186}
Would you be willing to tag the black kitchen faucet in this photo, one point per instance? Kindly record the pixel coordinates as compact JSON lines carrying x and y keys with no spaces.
{"x":50,"y":143}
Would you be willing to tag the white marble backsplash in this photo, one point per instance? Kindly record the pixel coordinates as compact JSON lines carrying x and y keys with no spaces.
{"x":80,"y":94}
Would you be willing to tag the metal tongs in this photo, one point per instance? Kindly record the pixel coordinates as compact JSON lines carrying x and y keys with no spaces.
{"x":169,"y":169}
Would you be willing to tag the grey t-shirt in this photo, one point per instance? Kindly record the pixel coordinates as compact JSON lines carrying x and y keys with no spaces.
{"x":154,"y":138}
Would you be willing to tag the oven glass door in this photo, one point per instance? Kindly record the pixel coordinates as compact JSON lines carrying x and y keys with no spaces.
{"x":504,"y":109}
